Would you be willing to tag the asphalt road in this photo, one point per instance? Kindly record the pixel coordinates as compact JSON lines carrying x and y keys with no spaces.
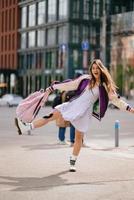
{"x":35,"y":167}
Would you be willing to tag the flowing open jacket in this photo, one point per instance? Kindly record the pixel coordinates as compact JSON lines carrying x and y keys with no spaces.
{"x":100,"y":106}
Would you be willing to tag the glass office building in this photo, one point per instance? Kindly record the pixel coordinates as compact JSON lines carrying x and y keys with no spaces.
{"x":51,"y":36}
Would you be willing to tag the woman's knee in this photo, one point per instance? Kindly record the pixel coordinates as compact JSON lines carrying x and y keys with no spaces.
{"x":78,"y":136}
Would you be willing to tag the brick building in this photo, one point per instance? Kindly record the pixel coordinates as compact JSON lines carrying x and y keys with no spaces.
{"x":8,"y":43}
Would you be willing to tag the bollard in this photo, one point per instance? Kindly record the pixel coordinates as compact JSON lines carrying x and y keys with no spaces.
{"x":117,"y":126}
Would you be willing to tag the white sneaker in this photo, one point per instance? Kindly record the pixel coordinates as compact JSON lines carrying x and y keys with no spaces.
{"x":62,"y":142}
{"x":72,"y":166}
{"x":22,"y":127}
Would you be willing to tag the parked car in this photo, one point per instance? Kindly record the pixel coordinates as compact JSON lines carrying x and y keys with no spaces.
{"x":10,"y":100}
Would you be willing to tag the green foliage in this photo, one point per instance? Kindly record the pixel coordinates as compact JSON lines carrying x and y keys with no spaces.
{"x":124,"y":79}
{"x":119,"y":78}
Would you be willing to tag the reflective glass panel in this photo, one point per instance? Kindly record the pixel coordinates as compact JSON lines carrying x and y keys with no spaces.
{"x":51,"y":10}
{"x":63,"y":9}
{"x":41,"y":12}
{"x":23,"y":17}
{"x":23,"y":40}
{"x":32,"y":11}
{"x":51,"y":36}
{"x":31,"y":39}
{"x":41,"y":38}
{"x":62,"y":34}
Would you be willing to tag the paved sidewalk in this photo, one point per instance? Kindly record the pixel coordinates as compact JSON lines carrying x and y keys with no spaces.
{"x":35,"y":167}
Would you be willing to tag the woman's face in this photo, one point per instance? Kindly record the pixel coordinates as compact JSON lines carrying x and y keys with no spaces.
{"x":96,"y":71}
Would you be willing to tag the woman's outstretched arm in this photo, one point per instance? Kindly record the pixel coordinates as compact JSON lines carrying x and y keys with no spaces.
{"x":121,"y":104}
{"x":69,"y":85}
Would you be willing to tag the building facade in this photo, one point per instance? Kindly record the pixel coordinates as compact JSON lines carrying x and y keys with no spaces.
{"x":51,"y":35}
{"x":58,"y":38}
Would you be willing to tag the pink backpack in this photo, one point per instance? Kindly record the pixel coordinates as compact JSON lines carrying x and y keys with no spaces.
{"x":30,"y":106}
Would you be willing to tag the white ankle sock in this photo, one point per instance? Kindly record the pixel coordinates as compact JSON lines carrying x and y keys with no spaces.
{"x":73,"y":157}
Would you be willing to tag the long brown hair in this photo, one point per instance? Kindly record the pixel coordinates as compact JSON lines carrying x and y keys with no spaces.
{"x":105,"y":76}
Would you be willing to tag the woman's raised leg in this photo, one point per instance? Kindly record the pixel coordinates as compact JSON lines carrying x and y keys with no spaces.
{"x":47,"y":118}
{"x":26,"y":127}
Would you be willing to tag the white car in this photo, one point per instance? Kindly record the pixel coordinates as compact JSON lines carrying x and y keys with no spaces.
{"x":10,"y":100}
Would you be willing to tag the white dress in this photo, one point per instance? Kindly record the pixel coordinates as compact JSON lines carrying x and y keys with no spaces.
{"x":79,"y":110}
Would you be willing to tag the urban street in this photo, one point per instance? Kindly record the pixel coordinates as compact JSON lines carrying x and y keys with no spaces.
{"x":36,"y":167}
{"x":77,"y":51}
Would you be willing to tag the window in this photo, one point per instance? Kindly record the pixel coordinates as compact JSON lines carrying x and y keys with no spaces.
{"x":2,"y":18}
{"x":41,"y":12}
{"x":13,"y":18}
{"x":63,"y":5}
{"x":1,"y":78}
{"x":2,"y":43}
{"x":9,"y":18}
{"x":85,"y":32}
{"x":37,"y":82}
{"x":75,"y":8}
{"x":51,"y":36}
{"x":93,"y":36}
{"x":39,"y":60}
{"x":32,"y":15}
{"x":21,"y":61}
{"x":41,"y":38}
{"x":50,"y":60}
{"x":62,"y":34}
{"x":75,"y":33}
{"x":51,"y":10}
{"x":75,"y":58}
{"x":6,"y":20}
{"x":31,"y":39}
{"x":108,"y":10}
{"x":96,"y":9}
{"x":86,"y":9}
{"x":23,"y":40}
{"x":30,"y":61}
{"x":62,"y":56}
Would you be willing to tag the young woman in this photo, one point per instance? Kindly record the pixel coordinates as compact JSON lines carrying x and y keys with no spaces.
{"x":91,"y":98}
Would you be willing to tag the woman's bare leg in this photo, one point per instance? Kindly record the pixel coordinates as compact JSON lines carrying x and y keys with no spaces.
{"x":76,"y":149}
{"x":43,"y":121}
{"x":78,"y":143}
{"x":25,"y":128}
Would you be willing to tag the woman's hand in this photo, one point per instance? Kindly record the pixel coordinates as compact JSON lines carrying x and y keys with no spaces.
{"x":49,"y":90}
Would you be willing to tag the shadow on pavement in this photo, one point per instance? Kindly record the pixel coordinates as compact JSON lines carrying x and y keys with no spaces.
{"x":49,"y":182}
{"x":44,"y":146}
